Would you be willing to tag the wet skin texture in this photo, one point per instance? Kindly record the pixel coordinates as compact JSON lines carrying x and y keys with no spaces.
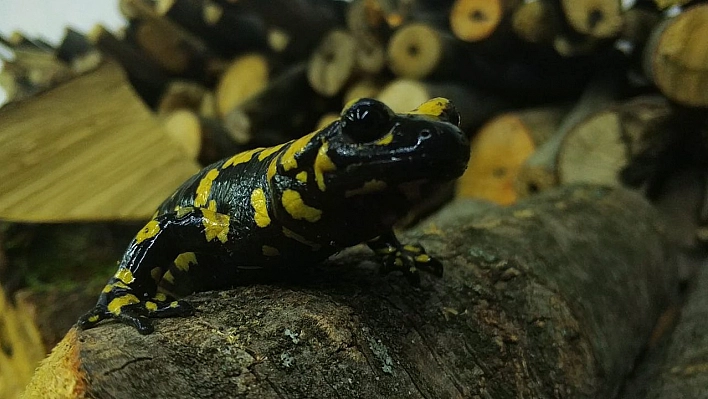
{"x":292,"y":204}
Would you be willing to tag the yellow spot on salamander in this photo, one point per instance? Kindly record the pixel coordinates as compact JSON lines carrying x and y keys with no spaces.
{"x":240,"y":158}
{"x":323,"y":164}
{"x":293,"y":204}
{"x":174,"y":304}
{"x":150,"y":230}
{"x":435,"y":107}
{"x":169,"y":277}
{"x":181,"y":211}
{"x":297,"y":237}
{"x":302,"y":177}
{"x":205,"y":187}
{"x":270,"y":150}
{"x":272,"y":168}
{"x":258,"y":202}
{"x":161,"y":297}
{"x":212,"y":205}
{"x":93,"y":319}
{"x":398,"y":262}
{"x":423,"y":258}
{"x":184,"y":260}
{"x":118,"y":303}
{"x":151,"y":306}
{"x":270,"y":251}
{"x":385,"y":140}
{"x":288,"y":159}
{"x":124,"y":275}
{"x":118,"y":284}
{"x":216,"y":225}
{"x":370,"y":186}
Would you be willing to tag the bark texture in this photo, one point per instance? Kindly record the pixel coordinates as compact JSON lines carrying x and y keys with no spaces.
{"x":554,"y":297}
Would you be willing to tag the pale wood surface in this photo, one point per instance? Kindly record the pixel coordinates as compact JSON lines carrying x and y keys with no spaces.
{"x":86,"y":150}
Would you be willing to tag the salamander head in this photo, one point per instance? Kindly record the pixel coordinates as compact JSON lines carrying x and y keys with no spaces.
{"x":371,"y":143}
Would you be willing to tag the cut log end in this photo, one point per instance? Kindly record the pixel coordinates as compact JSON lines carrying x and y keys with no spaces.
{"x":415,"y":51}
{"x":333,"y":63}
{"x":676,"y":56}
{"x":597,"y":18}
{"x":476,"y":20}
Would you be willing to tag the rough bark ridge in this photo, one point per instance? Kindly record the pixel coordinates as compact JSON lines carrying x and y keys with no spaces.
{"x":554,"y":297}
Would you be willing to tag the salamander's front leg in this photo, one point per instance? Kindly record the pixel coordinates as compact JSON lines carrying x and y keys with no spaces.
{"x":131,"y":295}
{"x":407,"y":258}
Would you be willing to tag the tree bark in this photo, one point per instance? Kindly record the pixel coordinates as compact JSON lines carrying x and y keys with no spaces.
{"x":554,"y":297}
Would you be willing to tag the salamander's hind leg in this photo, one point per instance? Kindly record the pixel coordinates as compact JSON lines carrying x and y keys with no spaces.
{"x":131,"y":295}
{"x":408,"y":258}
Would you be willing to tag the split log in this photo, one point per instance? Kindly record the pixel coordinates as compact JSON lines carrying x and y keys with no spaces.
{"x":223,"y":29}
{"x":598,"y":148}
{"x":419,"y":50}
{"x":475,"y":106}
{"x":675,"y":57}
{"x":539,"y":171}
{"x":500,"y":323}
{"x":597,"y":18}
{"x":333,"y":64}
{"x":86,"y":150}
{"x":499,"y":149}
{"x":245,"y":76}
{"x":684,"y":372}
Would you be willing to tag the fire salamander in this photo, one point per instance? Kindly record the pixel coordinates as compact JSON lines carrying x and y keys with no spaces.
{"x":295,"y":203}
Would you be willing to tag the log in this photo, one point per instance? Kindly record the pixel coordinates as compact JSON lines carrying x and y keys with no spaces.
{"x":245,"y":76}
{"x":474,"y":106}
{"x":76,"y":51}
{"x":364,"y":88}
{"x":91,"y":146}
{"x":304,"y":22}
{"x":684,"y":370}
{"x":375,"y":19}
{"x":288,"y":108}
{"x":370,"y":55}
{"x":149,"y":78}
{"x":202,"y":139}
{"x":499,"y":149}
{"x":539,"y":172}
{"x":419,"y":50}
{"x":674,"y":58}
{"x":169,"y":45}
{"x":500,"y":323}
{"x":598,"y":148}
{"x":181,"y":94}
{"x":536,"y":21}
{"x":333,"y":64}
{"x":600,"y":19}
{"x":480,"y":20}
{"x":223,"y":29}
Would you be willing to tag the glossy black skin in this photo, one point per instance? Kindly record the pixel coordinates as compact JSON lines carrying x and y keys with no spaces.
{"x":364,"y":173}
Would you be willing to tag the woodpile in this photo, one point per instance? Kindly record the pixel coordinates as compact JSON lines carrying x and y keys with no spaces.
{"x":104,"y":125}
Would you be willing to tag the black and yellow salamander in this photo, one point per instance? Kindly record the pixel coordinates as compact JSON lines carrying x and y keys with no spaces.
{"x":292,"y":204}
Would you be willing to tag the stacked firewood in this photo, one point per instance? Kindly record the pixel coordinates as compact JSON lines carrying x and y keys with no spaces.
{"x":554,"y":91}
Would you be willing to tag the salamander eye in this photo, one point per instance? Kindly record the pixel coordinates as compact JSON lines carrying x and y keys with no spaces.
{"x":366,"y":120}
